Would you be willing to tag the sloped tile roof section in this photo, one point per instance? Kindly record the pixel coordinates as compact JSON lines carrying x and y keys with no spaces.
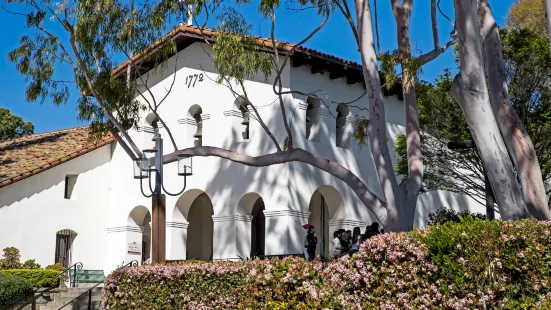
{"x":24,"y":157}
{"x":184,"y":35}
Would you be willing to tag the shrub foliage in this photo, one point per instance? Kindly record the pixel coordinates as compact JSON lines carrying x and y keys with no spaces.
{"x":12,"y":288}
{"x":468,"y":264}
{"x":37,"y":277}
{"x":445,"y":215}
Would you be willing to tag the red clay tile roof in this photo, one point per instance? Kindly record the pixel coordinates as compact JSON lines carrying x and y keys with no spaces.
{"x":265,"y":42}
{"x":341,"y":67}
{"x":23,"y":157}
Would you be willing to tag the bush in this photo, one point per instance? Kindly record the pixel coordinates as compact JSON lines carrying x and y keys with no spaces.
{"x":444,"y":215}
{"x":11,"y":259}
{"x":57,"y":267}
{"x":37,"y":277}
{"x":462,"y":265}
{"x":12,"y":288}
{"x":30,"y":264}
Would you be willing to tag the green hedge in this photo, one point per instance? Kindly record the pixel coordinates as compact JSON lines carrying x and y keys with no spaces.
{"x":464,"y":265}
{"x":37,"y":277}
{"x":12,"y":288}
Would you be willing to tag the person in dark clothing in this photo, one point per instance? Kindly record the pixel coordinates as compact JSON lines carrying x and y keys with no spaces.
{"x":374,"y":229}
{"x":312,"y":240}
{"x":356,"y":240}
{"x":345,"y":242}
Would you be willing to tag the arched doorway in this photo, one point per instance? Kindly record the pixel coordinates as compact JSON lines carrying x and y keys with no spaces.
{"x":258,"y":228}
{"x":64,"y":247}
{"x":196,"y":208}
{"x":324,"y":204}
{"x":251,"y":226}
{"x":139,"y":234}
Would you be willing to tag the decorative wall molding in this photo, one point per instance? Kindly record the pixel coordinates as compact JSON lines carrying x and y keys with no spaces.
{"x":147,"y":129}
{"x":191,"y":121}
{"x":180,"y":225}
{"x":223,"y":218}
{"x":234,"y":113}
{"x":322,"y":111}
{"x":302,"y":105}
{"x":347,"y":223}
{"x":286,"y":212}
{"x":123,"y":229}
{"x":243,"y":218}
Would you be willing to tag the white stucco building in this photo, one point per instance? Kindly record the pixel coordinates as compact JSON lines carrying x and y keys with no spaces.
{"x":62,"y":199}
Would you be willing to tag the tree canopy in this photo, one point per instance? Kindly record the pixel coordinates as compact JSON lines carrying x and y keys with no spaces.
{"x":528,"y":71}
{"x":13,"y":126}
{"x":528,"y":14}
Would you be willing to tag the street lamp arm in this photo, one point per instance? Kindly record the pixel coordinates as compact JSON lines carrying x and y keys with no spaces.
{"x":371,"y":201}
{"x":178,"y":194}
{"x":141,"y":188}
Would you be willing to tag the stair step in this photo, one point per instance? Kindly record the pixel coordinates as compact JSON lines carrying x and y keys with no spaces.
{"x":77,"y":294}
{"x":96,"y":304}
{"x":66,"y":299}
{"x":81,"y":289}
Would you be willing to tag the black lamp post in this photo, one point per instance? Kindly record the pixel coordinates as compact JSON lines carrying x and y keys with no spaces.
{"x":144,"y":168}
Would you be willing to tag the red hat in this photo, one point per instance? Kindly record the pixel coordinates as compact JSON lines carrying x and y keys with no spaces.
{"x":306,"y":226}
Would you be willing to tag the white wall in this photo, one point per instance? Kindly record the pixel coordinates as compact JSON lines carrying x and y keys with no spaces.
{"x":34,"y":209}
{"x":100,"y":213}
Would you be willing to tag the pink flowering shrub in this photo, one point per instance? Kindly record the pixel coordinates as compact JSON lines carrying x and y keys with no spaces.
{"x":258,"y":284}
{"x":467,"y":265}
{"x":391,"y":271}
{"x":501,"y":264}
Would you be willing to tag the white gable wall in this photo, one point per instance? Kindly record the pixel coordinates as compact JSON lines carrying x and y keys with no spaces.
{"x":34,"y":209}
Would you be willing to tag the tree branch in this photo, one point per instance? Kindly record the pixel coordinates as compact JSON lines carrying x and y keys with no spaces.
{"x":434,"y":25}
{"x":289,"y":141}
{"x":279,"y":69}
{"x":373,"y":203}
{"x":259,"y":118}
{"x":155,"y":106}
{"x":99,"y":99}
{"x":117,"y":137}
{"x":445,"y":16}
{"x":376,"y":27}
{"x":430,"y":56}
{"x":346,"y":13}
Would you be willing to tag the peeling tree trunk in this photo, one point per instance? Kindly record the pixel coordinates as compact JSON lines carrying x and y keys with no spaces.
{"x":470,"y":91}
{"x":402,"y":14}
{"x":377,"y":124}
{"x":514,"y":134}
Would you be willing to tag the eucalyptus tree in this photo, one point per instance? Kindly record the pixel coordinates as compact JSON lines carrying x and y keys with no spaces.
{"x":470,"y":90}
{"x":92,"y":37}
{"x":515,"y":136}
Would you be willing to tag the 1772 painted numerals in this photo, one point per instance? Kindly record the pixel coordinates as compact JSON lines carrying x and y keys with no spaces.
{"x":192,"y":79}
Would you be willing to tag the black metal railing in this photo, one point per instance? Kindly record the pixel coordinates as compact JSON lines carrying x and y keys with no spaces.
{"x":74,"y":267}
{"x":89,"y":291}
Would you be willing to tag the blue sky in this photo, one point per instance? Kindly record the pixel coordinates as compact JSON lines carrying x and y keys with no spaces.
{"x":291,"y":25}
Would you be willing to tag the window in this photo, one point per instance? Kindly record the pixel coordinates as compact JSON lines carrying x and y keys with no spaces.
{"x":343,"y":127}
{"x":312,"y":119}
{"x":70,"y":181}
{"x":195,"y":112}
